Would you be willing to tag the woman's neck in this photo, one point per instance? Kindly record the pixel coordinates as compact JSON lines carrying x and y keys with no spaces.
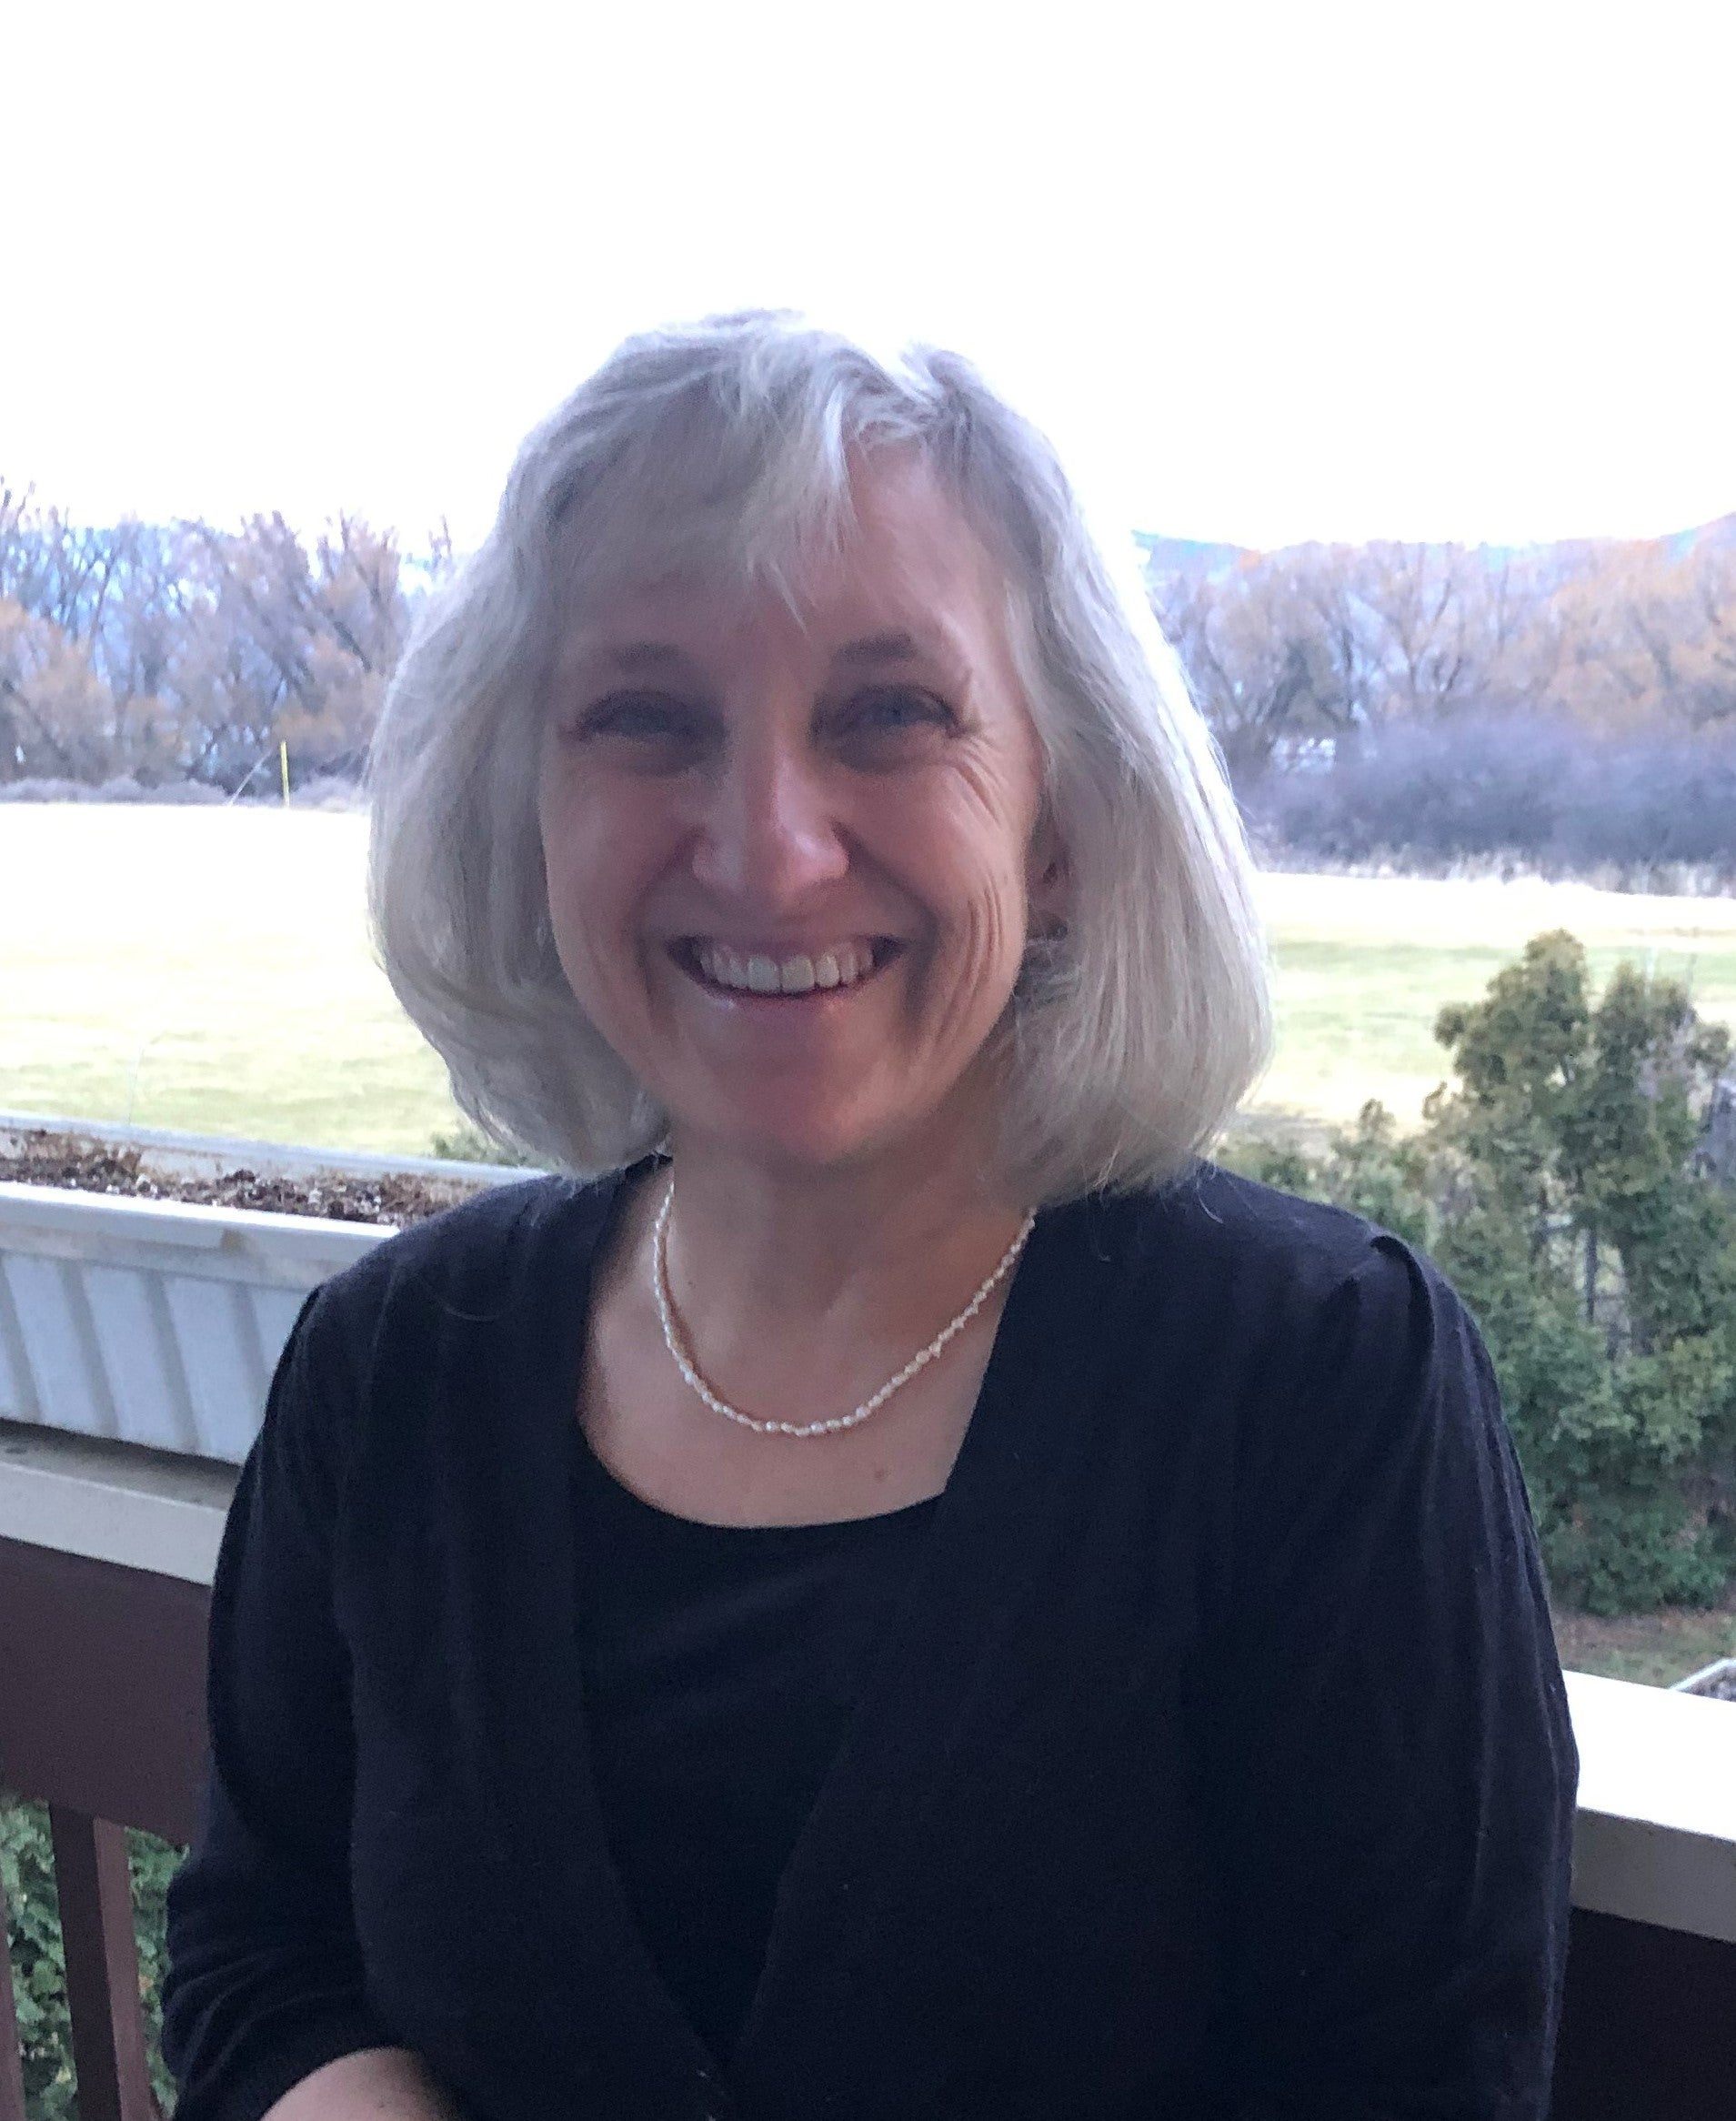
{"x":798,"y":1292}
{"x":774,"y":1267}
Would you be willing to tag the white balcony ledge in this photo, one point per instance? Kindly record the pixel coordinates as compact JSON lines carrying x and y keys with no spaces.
{"x":112,"y":1502}
{"x":1656,"y":1835}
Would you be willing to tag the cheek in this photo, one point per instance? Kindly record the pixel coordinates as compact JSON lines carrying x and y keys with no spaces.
{"x":598,"y":844}
{"x":597,"y":860}
{"x":982,"y":839}
{"x":998,"y":817}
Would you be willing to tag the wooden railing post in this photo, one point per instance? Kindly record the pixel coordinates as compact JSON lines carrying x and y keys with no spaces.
{"x":12,"y":2070}
{"x":101,"y":1969}
{"x":102,"y":1717}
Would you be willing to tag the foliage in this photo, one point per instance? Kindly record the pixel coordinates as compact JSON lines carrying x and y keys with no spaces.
{"x":1562,"y":1185}
{"x":466,"y":1143}
{"x":1281,"y":646}
{"x":1369,"y":1168}
{"x":1573,"y":705}
{"x":38,"y":1962}
{"x":153,"y":652}
{"x":1513,"y":783}
{"x":1351,"y":687}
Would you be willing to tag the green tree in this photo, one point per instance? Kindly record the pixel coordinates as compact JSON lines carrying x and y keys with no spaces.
{"x":1603,"y":1261}
{"x":1561,"y":1183}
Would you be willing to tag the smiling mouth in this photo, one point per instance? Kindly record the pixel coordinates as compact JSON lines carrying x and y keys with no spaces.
{"x":835,"y":969}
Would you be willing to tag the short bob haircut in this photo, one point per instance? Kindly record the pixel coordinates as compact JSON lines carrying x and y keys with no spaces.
{"x":723,"y":450}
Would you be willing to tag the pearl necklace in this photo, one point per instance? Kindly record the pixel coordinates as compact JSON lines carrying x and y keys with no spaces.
{"x":684,"y":1362}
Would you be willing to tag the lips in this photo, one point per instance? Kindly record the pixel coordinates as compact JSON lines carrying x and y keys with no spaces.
{"x":844,"y":963}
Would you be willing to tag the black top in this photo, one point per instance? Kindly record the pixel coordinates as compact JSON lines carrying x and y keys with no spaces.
{"x":720,"y":1666}
{"x":1215,"y":1761}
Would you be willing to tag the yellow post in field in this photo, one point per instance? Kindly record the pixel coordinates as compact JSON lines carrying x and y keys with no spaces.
{"x":283,"y":761}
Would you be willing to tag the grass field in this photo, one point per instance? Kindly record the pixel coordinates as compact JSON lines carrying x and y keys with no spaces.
{"x":203,"y":969}
{"x":209,"y":969}
{"x":1652,"y":1649}
{"x":1364,"y":964}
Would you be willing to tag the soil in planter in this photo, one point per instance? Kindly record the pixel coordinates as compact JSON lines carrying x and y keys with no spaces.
{"x":393,"y":1199}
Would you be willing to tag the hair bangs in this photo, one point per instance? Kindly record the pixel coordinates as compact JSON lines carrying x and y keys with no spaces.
{"x":740,"y":488}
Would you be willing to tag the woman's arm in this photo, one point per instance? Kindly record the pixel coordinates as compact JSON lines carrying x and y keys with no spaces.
{"x":1389,"y":1766}
{"x":265,"y":1993}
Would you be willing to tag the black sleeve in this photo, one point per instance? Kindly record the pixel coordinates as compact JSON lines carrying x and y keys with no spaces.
{"x":265,"y":1981}
{"x":1391,"y":1771}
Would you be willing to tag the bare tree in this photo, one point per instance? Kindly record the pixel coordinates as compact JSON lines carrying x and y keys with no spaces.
{"x":1259,"y":658}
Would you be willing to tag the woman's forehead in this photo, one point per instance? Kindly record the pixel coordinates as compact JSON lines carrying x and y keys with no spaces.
{"x":906,"y":577}
{"x":652,"y":647}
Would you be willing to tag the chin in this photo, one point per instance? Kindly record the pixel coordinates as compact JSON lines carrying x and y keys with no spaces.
{"x":786,"y":1134}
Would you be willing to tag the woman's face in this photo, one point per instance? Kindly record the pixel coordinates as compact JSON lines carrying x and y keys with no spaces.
{"x":791,"y":853}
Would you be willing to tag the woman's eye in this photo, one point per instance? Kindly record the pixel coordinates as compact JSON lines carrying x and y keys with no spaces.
{"x":891,"y":711}
{"x":655,"y":719}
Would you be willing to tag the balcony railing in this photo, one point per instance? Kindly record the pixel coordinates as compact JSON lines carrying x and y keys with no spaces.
{"x":107,"y":1552}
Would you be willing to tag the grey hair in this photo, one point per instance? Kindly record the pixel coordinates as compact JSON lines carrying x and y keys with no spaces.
{"x":725,"y":448}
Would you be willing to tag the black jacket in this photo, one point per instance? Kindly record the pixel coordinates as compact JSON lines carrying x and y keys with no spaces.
{"x":1217,"y":1764}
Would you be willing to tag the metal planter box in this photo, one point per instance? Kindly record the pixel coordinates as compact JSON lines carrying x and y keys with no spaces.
{"x":152,"y":1322}
{"x":159,"y":1324}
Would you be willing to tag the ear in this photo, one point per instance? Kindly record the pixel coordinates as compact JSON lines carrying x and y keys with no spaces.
{"x":1048,"y":878}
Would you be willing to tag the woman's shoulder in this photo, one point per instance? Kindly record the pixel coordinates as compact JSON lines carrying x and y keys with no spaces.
{"x":479,"y":1260}
{"x":1286,"y":1299}
{"x":476,"y":1307}
{"x":482,"y":1235}
{"x":1213,"y":1228}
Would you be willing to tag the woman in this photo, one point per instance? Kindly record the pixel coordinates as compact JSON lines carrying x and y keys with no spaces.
{"x":911,"y":1595}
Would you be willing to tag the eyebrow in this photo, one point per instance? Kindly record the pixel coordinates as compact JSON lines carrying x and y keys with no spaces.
{"x":635,"y":656}
{"x":895,"y":647}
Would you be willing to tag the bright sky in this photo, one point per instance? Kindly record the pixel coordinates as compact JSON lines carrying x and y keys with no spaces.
{"x":1266,"y":269}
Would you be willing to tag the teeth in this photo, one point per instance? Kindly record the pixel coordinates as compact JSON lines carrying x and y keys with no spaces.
{"x":757,"y":973}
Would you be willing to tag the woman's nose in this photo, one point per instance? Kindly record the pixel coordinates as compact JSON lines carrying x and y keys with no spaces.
{"x":771,"y":832}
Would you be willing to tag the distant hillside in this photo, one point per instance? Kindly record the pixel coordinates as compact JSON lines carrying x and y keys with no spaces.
{"x":1718,"y":537}
{"x":1194,"y":558}
{"x":1185,"y":556}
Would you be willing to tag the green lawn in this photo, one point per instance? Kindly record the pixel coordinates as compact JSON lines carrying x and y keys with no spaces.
{"x":205,"y":969}
{"x":1652,"y":1649}
{"x":209,"y":970}
{"x":1364,"y":965}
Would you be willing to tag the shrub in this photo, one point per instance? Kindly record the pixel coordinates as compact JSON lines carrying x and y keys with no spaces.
{"x":1563,"y":1187}
{"x":1517,"y":785}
